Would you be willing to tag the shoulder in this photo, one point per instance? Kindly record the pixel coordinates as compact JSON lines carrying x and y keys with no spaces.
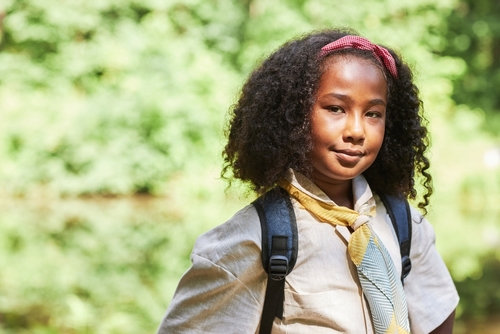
{"x":423,"y":235}
{"x":421,"y":229}
{"x":235,"y":243}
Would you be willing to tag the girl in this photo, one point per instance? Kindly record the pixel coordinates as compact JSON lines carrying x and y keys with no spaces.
{"x":333,"y":119}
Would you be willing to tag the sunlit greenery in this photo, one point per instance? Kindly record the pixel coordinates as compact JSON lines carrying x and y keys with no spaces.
{"x":111,"y":127}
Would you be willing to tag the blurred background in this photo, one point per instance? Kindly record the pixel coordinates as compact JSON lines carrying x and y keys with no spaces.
{"x":111,"y":127}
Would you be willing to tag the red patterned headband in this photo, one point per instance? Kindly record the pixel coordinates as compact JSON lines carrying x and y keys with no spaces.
{"x":356,"y":42}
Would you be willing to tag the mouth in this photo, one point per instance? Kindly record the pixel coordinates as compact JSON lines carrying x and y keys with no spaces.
{"x":349,"y":156}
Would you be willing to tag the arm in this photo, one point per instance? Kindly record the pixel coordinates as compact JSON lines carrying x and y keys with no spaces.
{"x":447,"y":326}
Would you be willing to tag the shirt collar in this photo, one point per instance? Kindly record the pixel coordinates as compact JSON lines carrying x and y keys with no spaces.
{"x":362,"y":194}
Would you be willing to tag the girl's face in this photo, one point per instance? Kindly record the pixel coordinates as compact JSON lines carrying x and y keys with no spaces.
{"x":347,"y":119}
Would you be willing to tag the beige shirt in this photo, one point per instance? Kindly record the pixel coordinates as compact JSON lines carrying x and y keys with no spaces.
{"x":223,"y":291}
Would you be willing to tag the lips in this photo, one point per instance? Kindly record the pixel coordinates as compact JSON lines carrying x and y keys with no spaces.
{"x":350,"y":152}
{"x":349,"y":156}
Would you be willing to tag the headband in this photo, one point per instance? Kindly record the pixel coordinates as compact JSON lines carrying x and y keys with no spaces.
{"x":356,"y":42}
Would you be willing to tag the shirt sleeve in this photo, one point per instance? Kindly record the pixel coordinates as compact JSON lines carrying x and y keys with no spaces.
{"x":223,"y":290}
{"x":429,"y":288}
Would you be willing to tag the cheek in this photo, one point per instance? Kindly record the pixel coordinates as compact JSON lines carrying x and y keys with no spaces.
{"x":318,"y":131}
{"x":381,"y":134}
{"x":380,"y":137}
{"x":377,"y":137}
{"x":324,"y":128}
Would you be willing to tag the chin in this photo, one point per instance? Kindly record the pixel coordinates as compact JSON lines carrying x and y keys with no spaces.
{"x":332,"y":177}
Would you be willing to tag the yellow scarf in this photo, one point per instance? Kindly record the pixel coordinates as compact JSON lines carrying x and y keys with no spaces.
{"x":377,"y":274}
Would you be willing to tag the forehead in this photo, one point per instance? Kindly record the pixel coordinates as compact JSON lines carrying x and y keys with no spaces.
{"x":351,"y":55}
{"x":351,"y":75}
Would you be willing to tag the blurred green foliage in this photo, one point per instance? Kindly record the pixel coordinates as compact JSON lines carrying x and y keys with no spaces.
{"x":111,"y":117}
{"x":478,"y":43}
{"x":104,"y":97}
{"x":78,"y":268}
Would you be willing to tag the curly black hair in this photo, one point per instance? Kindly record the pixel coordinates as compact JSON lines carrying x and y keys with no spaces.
{"x":269,"y":127}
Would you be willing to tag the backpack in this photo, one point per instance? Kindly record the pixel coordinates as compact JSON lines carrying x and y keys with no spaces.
{"x":280,"y":244}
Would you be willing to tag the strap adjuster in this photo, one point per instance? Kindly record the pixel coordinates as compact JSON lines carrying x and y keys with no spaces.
{"x":406,"y":266}
{"x":278,"y":267}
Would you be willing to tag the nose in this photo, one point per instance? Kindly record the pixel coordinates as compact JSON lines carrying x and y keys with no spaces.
{"x":354,"y":131}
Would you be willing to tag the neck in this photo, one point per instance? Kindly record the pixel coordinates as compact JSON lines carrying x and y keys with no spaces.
{"x":340,"y":192}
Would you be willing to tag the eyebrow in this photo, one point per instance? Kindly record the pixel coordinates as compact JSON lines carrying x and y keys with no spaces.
{"x":348,"y":99}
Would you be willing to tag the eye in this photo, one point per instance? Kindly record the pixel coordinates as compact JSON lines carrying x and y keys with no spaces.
{"x":335,"y":109}
{"x":374,"y":114}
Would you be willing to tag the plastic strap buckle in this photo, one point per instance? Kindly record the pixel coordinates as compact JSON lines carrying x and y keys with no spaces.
{"x":278,"y":267}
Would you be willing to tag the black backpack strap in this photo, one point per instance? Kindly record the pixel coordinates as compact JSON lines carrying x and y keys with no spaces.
{"x":279,"y":250}
{"x":399,"y":211}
